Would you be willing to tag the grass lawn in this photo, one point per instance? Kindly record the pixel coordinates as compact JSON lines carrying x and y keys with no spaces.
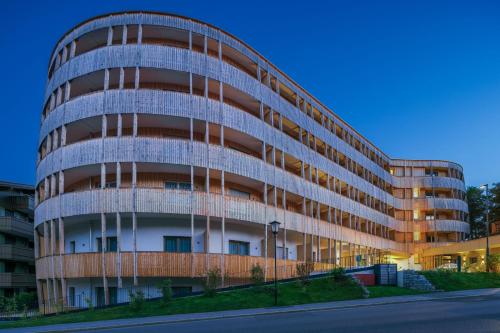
{"x":317,"y":290}
{"x":450,"y":281}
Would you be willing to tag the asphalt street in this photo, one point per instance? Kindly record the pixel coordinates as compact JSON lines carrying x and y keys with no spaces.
{"x":471,"y":314}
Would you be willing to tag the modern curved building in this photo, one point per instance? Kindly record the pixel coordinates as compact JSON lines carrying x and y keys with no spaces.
{"x":167,"y":146}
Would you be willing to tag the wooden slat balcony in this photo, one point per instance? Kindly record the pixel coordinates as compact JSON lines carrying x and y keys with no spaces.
{"x":162,"y":264}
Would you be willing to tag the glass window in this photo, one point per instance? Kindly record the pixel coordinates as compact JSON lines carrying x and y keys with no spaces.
{"x":238,"y":193}
{"x":416,"y":192}
{"x":170,"y":185}
{"x":185,"y":186}
{"x":72,"y":296}
{"x":72,"y":247}
{"x":239,"y":248}
{"x":177,"y":244}
{"x":111,"y":185}
{"x":111,"y":244}
{"x":279,"y":253}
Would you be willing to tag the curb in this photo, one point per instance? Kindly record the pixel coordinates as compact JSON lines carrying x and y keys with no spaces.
{"x":273,"y":311}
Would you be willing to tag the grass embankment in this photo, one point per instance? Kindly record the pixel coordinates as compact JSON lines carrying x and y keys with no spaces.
{"x":451,"y":281}
{"x":317,"y":290}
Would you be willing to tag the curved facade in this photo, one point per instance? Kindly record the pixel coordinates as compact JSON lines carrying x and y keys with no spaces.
{"x":167,"y":146}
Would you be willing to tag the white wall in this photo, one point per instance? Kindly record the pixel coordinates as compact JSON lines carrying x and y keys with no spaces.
{"x":150,"y":233}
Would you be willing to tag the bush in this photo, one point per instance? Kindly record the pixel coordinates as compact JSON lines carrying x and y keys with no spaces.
{"x":303,"y":272}
{"x":89,"y":303}
{"x":257,"y":275}
{"x":338,"y":274}
{"x":137,"y":300}
{"x":493,"y":263}
{"x":166,"y":291}
{"x":212,"y":281}
{"x":26,"y":300}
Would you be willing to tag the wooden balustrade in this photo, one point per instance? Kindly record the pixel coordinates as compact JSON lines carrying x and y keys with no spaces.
{"x":162,"y":264}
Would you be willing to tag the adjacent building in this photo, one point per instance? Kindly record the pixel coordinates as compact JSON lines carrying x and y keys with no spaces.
{"x":17,"y":261}
{"x":167,"y":146}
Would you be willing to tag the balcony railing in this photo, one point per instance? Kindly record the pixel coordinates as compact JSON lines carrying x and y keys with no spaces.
{"x":16,"y":226}
{"x":17,"y":280}
{"x":16,"y":252}
{"x":163,"y":264}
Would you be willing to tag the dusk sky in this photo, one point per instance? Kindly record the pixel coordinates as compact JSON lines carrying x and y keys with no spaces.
{"x":421,"y":80}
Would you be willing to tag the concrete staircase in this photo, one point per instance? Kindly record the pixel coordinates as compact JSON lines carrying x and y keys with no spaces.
{"x":413,"y":280}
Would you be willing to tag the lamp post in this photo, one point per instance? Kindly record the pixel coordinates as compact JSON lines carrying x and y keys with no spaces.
{"x":275,"y":226}
{"x":487,"y":192}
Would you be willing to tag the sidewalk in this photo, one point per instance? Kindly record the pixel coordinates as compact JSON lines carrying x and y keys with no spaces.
{"x":75,"y":327}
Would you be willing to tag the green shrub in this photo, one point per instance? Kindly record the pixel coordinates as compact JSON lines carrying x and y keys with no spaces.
{"x":493,"y":263}
{"x":304,"y":271}
{"x":212,"y":281}
{"x":338,"y":274}
{"x":25,"y":299}
{"x":166,"y":291}
{"x":137,"y":300}
{"x":89,"y":303}
{"x":257,"y":275}
{"x":19,"y":302}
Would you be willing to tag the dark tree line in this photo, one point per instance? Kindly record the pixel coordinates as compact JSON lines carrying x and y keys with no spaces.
{"x":479,"y":202}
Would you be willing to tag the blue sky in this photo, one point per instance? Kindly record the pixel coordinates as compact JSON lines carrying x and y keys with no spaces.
{"x":420,"y":79}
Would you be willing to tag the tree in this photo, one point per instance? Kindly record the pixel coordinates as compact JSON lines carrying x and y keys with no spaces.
{"x":495,"y":202}
{"x":477,"y":207}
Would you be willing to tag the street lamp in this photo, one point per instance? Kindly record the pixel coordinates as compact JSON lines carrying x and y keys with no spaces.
{"x":275,"y":227}
{"x":487,"y":191}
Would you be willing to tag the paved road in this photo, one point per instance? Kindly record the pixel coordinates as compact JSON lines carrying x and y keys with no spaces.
{"x":472,"y":314}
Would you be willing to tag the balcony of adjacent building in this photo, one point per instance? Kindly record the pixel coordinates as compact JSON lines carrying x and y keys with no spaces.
{"x":17,"y":274}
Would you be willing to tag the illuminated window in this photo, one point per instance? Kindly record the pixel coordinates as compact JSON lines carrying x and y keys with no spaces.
{"x":415,"y":192}
{"x":416,"y":236}
{"x":391,"y":171}
{"x":415,"y":214}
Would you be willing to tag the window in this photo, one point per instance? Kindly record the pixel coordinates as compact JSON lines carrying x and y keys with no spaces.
{"x":416,"y":193}
{"x":72,"y":247}
{"x":177,"y":244}
{"x":9,"y":213}
{"x":72,"y":296}
{"x":429,"y":217}
{"x":428,"y":194}
{"x":113,"y":295}
{"x":279,"y":253}
{"x":184,"y":186}
{"x":172,"y":185}
{"x":237,"y":193}
{"x":428,"y":172}
{"x":239,"y":248}
{"x":111,"y":244}
{"x":416,"y":236}
{"x":110,"y":185}
{"x":415,"y":214}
